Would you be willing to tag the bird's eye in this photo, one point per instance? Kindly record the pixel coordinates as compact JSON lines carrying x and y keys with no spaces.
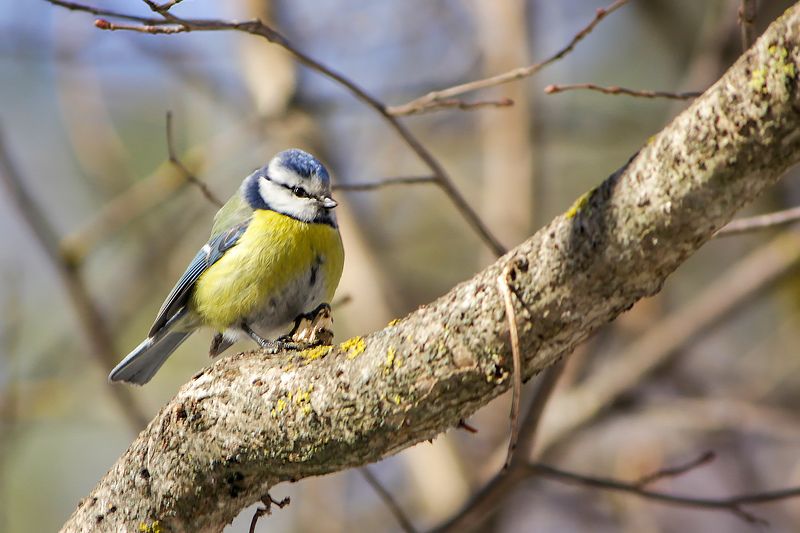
{"x":299,"y":191}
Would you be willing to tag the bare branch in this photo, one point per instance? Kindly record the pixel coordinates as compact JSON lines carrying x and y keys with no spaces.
{"x":167,"y":179}
{"x":187,"y":174}
{"x":258,"y":28}
{"x":615,"y":89}
{"x":760,"y":222}
{"x":377,"y":184}
{"x":74,"y":6}
{"x":481,"y":506}
{"x":745,"y":280}
{"x":103,"y":24}
{"x":91,"y":320}
{"x":268,"y":501}
{"x":433,"y":99}
{"x":733,"y":504}
{"x":503,"y":284}
{"x":748,"y":9}
{"x":162,"y":8}
{"x":674,"y":471}
{"x":528,"y":431}
{"x":388,"y":500}
{"x":452,"y":103}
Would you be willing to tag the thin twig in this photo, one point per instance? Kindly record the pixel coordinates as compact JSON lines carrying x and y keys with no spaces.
{"x":485,"y":501}
{"x":74,"y":6}
{"x":452,"y":103}
{"x":103,"y":24}
{"x":434,"y":98}
{"x":162,"y":8}
{"x":190,"y":177}
{"x":388,"y":499}
{"x":503,"y":283}
{"x":268,"y":502}
{"x":615,"y":89}
{"x":469,"y":428}
{"x":256,"y":27}
{"x":530,"y":425}
{"x":732,"y":504}
{"x":760,"y":222}
{"x":747,"y":19}
{"x":674,"y":471}
{"x":166,"y":180}
{"x":749,"y":278}
{"x":377,"y":184}
{"x":91,"y":320}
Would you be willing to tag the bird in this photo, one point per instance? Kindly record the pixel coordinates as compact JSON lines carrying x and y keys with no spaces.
{"x":275,"y":255}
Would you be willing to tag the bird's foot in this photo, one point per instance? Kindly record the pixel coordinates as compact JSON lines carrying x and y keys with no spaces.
{"x":269,"y":346}
{"x":310,"y":330}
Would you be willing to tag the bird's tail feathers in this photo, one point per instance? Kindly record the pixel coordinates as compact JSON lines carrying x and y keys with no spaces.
{"x":144,"y":361}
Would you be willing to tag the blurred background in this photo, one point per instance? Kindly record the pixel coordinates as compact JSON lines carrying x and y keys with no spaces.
{"x":711,"y":363}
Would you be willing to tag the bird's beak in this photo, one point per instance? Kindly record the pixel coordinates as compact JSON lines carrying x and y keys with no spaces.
{"x":328,"y":203}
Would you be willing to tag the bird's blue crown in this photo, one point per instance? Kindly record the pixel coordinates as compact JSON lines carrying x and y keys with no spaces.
{"x":303,"y":164}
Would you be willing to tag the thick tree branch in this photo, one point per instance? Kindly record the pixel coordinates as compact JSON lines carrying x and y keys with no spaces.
{"x":250,"y":421}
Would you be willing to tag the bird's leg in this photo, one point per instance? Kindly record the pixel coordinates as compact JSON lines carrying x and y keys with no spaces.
{"x":271,"y":346}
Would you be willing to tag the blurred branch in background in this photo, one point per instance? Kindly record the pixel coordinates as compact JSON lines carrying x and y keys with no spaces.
{"x":452,"y":103}
{"x":733,"y":504}
{"x":385,"y":182}
{"x":187,"y":174}
{"x":10,"y":401}
{"x":432,"y":99}
{"x":388,"y":500}
{"x":88,"y":123}
{"x":760,"y":222}
{"x":614,"y":89}
{"x":172,"y":24}
{"x":89,"y":317}
{"x":747,"y":279}
{"x":747,"y":19}
{"x":481,"y":506}
{"x":167,"y":179}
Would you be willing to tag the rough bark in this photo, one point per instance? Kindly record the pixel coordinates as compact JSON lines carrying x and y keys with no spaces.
{"x":251,"y":421}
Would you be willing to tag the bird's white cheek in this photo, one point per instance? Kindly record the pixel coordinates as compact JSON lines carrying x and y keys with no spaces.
{"x":283,"y":201}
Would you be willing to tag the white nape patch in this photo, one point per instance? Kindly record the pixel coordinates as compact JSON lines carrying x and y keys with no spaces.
{"x":280,"y":174}
{"x":282,"y":200}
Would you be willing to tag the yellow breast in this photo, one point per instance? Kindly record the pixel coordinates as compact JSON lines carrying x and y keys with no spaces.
{"x":273,"y":252}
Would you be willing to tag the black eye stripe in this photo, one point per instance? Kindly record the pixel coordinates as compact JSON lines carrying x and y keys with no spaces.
{"x":296,"y":190}
{"x":301,"y":192}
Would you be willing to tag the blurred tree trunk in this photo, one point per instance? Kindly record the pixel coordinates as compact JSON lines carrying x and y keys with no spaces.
{"x":507,"y":198}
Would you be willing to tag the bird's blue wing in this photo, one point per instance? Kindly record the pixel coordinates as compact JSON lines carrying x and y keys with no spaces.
{"x":207,"y":256}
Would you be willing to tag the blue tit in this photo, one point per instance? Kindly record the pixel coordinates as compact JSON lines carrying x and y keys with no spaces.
{"x":275,"y":254}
